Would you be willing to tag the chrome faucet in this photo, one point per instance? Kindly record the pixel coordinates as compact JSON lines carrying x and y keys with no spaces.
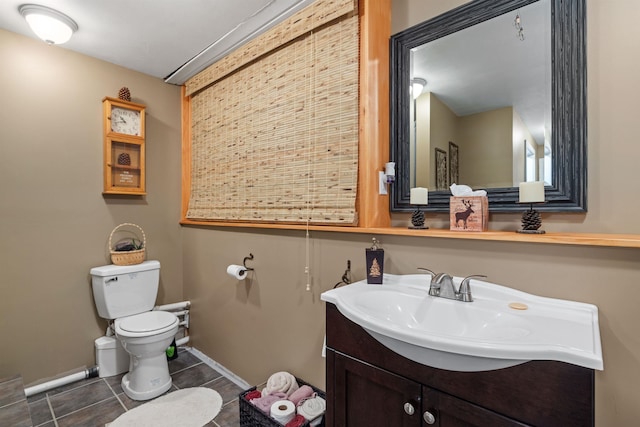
{"x":442,"y":286}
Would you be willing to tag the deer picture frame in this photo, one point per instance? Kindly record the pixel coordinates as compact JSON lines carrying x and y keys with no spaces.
{"x":468,"y":213}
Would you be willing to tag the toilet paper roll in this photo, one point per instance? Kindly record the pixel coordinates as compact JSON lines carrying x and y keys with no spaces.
{"x":283,"y":411}
{"x":237,"y":271}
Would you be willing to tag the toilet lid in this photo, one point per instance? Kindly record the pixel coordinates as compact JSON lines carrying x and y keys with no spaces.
{"x":148,"y":322}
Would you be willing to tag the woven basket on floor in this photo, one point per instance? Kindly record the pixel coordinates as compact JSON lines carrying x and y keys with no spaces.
{"x":250,"y":416}
{"x":128,"y":257}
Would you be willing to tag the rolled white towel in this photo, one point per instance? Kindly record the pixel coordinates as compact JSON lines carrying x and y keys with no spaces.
{"x":312,"y":409}
{"x":281,"y":381}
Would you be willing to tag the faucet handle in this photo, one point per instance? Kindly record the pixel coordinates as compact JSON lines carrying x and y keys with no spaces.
{"x":434,"y":288}
{"x":428,"y":271}
{"x":465,"y":289}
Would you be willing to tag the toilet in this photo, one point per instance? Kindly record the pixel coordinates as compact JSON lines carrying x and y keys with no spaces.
{"x":126,"y":295}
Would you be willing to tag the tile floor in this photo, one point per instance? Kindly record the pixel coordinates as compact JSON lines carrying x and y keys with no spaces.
{"x":97,"y":401}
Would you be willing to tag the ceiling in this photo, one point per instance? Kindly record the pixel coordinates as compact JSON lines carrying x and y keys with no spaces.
{"x":169,"y":39}
{"x":173,"y":40}
{"x":486,"y":67}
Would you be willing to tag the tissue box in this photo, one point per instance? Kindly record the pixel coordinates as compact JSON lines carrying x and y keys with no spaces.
{"x":469,"y":213}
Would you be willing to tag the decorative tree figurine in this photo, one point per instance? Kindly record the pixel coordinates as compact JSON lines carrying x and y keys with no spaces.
{"x":374,"y":271}
{"x":375,"y":263}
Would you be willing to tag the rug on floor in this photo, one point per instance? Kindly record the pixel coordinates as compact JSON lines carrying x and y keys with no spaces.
{"x":189,"y":407}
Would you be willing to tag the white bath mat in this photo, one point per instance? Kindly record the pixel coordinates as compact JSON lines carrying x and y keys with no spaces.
{"x":189,"y":407}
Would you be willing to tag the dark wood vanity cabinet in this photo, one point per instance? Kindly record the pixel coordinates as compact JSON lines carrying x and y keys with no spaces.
{"x":369,"y":385}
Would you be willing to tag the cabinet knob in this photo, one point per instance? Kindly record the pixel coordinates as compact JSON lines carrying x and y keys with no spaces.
{"x":429,"y":418}
{"x":409,"y":409}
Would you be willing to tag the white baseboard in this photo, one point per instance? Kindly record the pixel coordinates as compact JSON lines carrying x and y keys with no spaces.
{"x":218,"y":367}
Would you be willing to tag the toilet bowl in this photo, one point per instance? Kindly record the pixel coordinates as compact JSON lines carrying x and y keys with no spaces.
{"x":126,"y":295}
{"x":145,"y":337}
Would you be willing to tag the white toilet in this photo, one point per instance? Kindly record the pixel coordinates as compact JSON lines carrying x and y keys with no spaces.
{"x":127,"y":294}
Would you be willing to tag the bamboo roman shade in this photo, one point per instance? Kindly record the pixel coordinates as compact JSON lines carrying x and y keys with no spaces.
{"x":276,"y":139}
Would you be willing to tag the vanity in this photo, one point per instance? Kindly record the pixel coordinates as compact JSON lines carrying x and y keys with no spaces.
{"x":378,"y":369}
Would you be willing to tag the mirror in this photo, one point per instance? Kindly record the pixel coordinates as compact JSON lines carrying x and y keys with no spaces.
{"x":543,"y":123}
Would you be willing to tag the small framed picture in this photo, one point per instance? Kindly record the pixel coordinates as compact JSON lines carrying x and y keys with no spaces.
{"x":454,"y":176}
{"x":442,"y":178}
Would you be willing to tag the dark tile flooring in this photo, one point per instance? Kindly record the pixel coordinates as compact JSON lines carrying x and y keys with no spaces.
{"x":98,"y":401}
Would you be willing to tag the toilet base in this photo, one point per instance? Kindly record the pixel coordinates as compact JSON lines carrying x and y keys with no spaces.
{"x":148,"y":379}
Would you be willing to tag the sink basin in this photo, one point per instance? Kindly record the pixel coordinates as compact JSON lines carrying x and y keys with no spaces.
{"x":481,"y":335}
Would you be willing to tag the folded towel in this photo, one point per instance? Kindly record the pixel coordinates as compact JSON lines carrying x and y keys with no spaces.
{"x":281,"y":381}
{"x":301,"y":393}
{"x":264,"y":403}
{"x":312,"y":408}
{"x":297,"y":421}
{"x":253,"y":394}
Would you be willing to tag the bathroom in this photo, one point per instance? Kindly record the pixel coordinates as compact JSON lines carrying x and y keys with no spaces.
{"x":55,"y":222}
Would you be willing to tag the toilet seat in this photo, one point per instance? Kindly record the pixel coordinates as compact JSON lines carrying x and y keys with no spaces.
{"x":146,"y":324}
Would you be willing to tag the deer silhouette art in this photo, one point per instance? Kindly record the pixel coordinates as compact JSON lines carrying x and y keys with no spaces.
{"x":464,"y":215}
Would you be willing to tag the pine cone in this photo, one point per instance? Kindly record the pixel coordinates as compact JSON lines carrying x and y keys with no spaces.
{"x":124,"y":94}
{"x":531,"y":220}
{"x":417,"y":219}
{"x":124,"y":159}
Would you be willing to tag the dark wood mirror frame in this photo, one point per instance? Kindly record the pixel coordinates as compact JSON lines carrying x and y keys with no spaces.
{"x":568,"y":96}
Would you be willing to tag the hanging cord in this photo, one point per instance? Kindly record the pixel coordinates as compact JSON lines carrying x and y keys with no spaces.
{"x":307,"y":269}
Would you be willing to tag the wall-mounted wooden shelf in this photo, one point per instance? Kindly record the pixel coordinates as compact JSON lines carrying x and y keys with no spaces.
{"x":582,"y":239}
{"x":124,"y":147}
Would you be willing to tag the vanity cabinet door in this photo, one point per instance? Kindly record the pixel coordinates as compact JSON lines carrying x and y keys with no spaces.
{"x":443,"y":410}
{"x":366,"y":396}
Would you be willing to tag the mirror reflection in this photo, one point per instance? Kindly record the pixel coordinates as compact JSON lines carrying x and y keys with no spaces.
{"x":480,"y":103}
{"x":491,"y":94}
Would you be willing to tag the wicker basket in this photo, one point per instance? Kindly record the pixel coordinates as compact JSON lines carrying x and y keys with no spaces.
{"x":128,"y":257}
{"x":250,"y":416}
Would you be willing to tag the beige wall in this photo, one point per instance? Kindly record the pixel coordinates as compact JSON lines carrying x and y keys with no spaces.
{"x":485,"y":151}
{"x":423,"y":142}
{"x":54,"y":221}
{"x":520,"y":135}
{"x":442,"y":129}
{"x":272,"y":323}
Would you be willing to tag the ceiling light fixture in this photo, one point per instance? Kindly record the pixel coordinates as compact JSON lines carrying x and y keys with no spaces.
{"x":50,"y":25}
{"x":417,"y":86}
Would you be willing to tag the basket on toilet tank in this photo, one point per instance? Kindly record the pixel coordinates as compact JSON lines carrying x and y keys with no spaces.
{"x":129,"y":257}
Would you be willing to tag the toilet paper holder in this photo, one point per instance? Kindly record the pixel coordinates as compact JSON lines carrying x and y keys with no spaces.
{"x":244,"y":262}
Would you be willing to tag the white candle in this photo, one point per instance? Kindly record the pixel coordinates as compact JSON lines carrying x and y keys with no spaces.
{"x":531,"y":192}
{"x":419,"y":196}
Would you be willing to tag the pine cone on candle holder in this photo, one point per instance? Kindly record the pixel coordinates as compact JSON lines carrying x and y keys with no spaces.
{"x":531,"y":220}
{"x":417,"y":219}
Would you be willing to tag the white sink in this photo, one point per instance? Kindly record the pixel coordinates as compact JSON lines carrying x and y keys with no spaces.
{"x":481,"y":335}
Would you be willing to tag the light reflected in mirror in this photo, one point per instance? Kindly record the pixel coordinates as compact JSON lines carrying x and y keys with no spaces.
{"x":485,"y":102}
{"x":531,"y":82}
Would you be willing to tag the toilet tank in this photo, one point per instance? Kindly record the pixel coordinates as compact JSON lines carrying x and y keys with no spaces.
{"x":125,"y":290}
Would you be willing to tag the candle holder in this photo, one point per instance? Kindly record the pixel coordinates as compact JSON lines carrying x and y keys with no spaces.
{"x":531,"y":222}
{"x":417,"y":220}
{"x":419,"y":197}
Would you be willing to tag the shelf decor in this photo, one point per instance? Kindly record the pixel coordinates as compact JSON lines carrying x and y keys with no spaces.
{"x":124,"y":147}
{"x":531,"y":192}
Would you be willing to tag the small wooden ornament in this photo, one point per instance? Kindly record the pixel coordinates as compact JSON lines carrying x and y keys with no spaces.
{"x":124,"y":93}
